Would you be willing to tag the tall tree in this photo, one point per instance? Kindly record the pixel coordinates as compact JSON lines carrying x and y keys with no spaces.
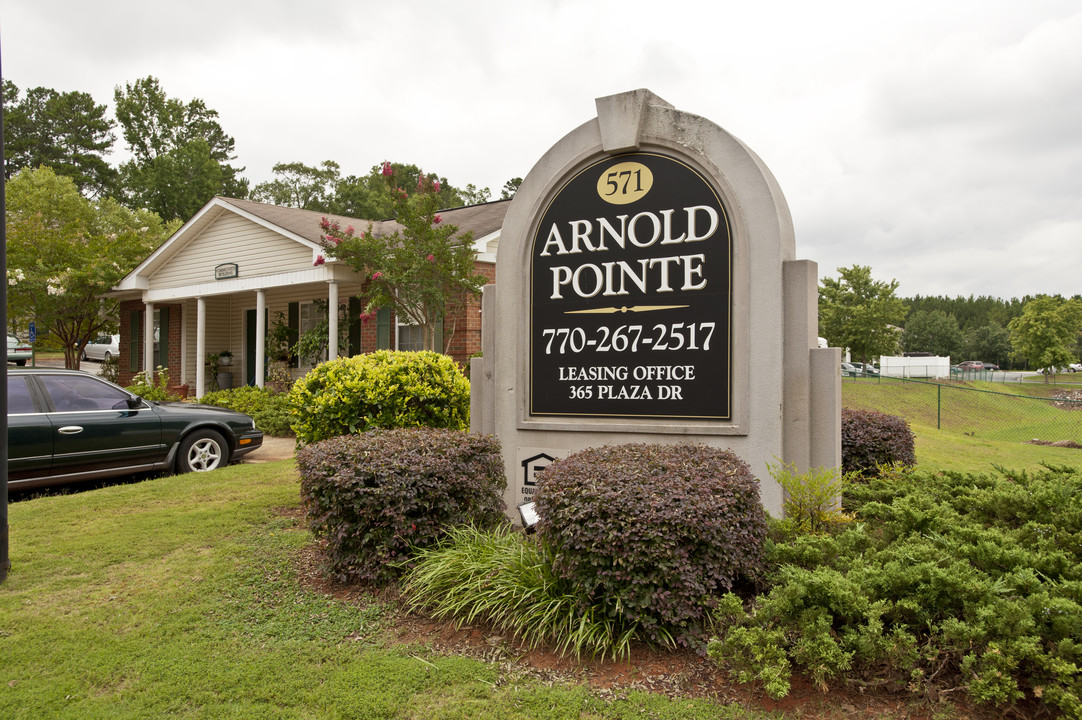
{"x":65,"y":251}
{"x":68,"y":132}
{"x":510,"y":188}
{"x":1046,"y":331}
{"x":860,"y":313}
{"x":933,"y":331}
{"x":990,"y":343}
{"x":419,"y":270}
{"x":300,"y":186}
{"x":180,"y":153}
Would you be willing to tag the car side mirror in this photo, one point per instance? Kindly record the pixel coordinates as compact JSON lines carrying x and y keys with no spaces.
{"x":134,"y":401}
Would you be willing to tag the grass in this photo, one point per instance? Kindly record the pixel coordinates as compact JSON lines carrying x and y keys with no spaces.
{"x":975,"y":427}
{"x":179,"y":598}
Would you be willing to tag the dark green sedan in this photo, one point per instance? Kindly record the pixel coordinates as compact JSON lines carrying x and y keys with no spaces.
{"x":66,"y":426}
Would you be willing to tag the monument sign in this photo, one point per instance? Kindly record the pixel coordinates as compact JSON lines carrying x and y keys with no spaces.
{"x":647,"y":291}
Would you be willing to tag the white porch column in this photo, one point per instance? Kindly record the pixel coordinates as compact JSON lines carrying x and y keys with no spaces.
{"x":200,"y":347}
{"x":148,"y":341}
{"x":332,"y":320}
{"x":260,"y":337}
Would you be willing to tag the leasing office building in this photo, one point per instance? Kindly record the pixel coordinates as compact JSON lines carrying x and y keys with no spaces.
{"x":237,"y":267}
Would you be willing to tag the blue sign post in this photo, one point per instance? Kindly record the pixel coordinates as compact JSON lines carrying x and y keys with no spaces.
{"x":33,"y":331}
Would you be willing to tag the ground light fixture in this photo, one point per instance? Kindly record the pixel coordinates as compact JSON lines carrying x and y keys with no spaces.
{"x":528,"y":512}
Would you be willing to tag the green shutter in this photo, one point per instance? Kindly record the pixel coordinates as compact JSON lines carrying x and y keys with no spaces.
{"x":163,"y":342}
{"x":354,"y":326}
{"x":135,"y":331}
{"x":294,"y":331}
{"x":383,"y":329}
{"x":438,"y":340}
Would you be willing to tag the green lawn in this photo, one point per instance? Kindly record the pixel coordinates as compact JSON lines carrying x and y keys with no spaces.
{"x":976,"y":427}
{"x":178,"y":598}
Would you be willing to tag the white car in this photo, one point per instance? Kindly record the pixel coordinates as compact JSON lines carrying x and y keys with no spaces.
{"x":102,"y":348}
{"x":1074,"y":367}
{"x":18,"y":351}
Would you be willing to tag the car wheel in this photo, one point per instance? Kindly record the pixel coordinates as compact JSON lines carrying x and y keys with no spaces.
{"x":21,"y":363}
{"x":201,"y":451}
{"x":83,"y":356}
{"x":108,"y":356}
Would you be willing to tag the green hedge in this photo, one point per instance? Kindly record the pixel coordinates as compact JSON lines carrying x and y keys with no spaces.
{"x":270,"y":409}
{"x":384,"y":389}
{"x":946,"y":580}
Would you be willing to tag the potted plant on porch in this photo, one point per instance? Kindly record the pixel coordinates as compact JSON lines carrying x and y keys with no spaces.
{"x":225,"y":358}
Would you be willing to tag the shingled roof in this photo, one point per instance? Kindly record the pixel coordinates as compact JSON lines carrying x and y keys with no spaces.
{"x":481,"y":220}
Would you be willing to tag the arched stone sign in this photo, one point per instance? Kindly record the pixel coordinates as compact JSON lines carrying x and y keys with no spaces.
{"x":647,"y":291}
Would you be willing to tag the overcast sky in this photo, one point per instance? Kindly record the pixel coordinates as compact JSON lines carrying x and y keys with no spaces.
{"x":939,"y":142}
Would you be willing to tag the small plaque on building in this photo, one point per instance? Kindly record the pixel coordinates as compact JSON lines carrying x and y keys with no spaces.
{"x":225,"y":271}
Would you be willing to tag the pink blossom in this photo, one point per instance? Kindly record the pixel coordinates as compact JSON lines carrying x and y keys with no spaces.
{"x":367,"y":316}
{"x":431,"y":258}
{"x":436,"y":186}
{"x":377,"y":275}
{"x":319,"y":260}
{"x":324,"y":223}
{"x":387,"y":169}
{"x":349,"y":230}
{"x":437,"y":220}
{"x":421,"y":182}
{"x":335,"y":240}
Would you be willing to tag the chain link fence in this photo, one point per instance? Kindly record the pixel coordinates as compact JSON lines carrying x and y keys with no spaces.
{"x":1020,"y":412}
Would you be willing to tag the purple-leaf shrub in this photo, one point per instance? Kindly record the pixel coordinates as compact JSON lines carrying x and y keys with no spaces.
{"x":871,"y":439}
{"x":373,"y":498}
{"x":652,"y":533}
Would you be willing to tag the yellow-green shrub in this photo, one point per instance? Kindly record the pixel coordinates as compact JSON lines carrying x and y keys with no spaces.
{"x":385,"y":389}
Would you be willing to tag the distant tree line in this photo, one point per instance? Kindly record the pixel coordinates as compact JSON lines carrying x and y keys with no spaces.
{"x":865,"y":316}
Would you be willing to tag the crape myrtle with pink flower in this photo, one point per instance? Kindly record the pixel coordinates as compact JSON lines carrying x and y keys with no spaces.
{"x":419,"y":270}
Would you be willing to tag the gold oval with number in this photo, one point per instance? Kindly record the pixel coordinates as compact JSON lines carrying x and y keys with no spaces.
{"x":624,"y":183}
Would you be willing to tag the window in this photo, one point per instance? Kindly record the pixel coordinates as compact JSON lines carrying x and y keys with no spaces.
{"x":411,"y":337}
{"x":310,"y":316}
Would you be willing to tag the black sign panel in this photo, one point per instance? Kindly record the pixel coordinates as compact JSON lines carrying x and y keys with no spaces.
{"x":630,"y":291}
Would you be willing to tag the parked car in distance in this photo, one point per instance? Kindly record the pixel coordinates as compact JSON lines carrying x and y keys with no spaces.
{"x":18,"y":351}
{"x":971,"y":365}
{"x":1074,"y":367}
{"x":68,"y":426}
{"x":867,"y":369}
{"x":102,"y":348}
{"x":991,"y":366}
{"x":850,"y":370}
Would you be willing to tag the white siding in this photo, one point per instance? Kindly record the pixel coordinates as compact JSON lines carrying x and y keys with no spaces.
{"x":232,"y":239}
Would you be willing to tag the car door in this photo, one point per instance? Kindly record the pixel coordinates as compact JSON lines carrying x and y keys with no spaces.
{"x":30,"y":433}
{"x":95,"y":430}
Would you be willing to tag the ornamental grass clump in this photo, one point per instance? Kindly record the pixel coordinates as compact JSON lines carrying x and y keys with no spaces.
{"x":505,"y":578}
{"x":652,"y":534}
{"x":383,"y":389}
{"x":375,"y":498}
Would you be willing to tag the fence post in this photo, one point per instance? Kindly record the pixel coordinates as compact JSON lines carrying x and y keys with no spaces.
{"x":938,"y":406}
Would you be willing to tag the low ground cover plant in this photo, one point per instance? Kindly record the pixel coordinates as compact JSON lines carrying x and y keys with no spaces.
{"x":384,"y":389}
{"x":871,"y":439}
{"x":950,"y":581}
{"x":269,"y":409}
{"x":652,"y":534}
{"x":376,"y":498}
{"x":505,"y":578}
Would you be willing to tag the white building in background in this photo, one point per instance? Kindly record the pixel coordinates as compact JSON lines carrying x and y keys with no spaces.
{"x":931,"y":367}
